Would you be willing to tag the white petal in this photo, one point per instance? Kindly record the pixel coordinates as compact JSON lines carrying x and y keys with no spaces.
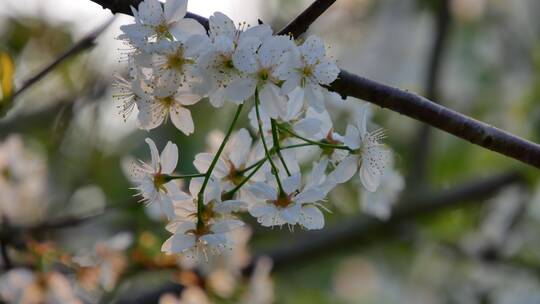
{"x":261,"y":32}
{"x":263,"y":191}
{"x":230,"y":206}
{"x":187,"y":99}
{"x":260,"y":209}
{"x":155,"y":154}
{"x":245,"y":58}
{"x":178,"y":243}
{"x":291,"y":214}
{"x":310,"y":196}
{"x":308,"y":127}
{"x":226,"y":226}
{"x":312,"y":50}
{"x":345,"y":169}
{"x":169,"y":158}
{"x":271,"y":100}
{"x":352,"y":137}
{"x":166,"y":205}
{"x":184,"y":28}
{"x":150,"y":12}
{"x":240,"y":89}
{"x":217,"y":98}
{"x":202,"y":163}
{"x":315,"y":97}
{"x":181,"y":118}
{"x":174,"y":192}
{"x":292,"y":183}
{"x":274,"y":49}
{"x":240,"y":146}
{"x":292,"y":83}
{"x":220,"y":24}
{"x":195,"y":186}
{"x":311,"y":218}
{"x":175,"y":9}
{"x":326,"y":72}
{"x":374,"y":161}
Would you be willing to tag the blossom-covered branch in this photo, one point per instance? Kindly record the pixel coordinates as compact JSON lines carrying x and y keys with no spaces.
{"x":418,"y":108}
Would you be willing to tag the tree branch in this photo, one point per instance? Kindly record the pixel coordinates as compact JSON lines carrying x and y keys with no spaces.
{"x":301,"y":23}
{"x":416,"y":107}
{"x":311,"y":244}
{"x":422,"y":147}
{"x":445,"y":119}
{"x":84,"y":44}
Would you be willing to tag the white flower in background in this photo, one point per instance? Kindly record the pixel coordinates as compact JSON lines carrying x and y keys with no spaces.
{"x":194,"y":242}
{"x":371,"y":157}
{"x":261,"y":286}
{"x":231,"y":165}
{"x":156,"y":110}
{"x":379,"y":203}
{"x":151,"y":180}
{"x":217,"y":63}
{"x":309,"y":69}
{"x":21,"y":285}
{"x":154,"y":21}
{"x":23,"y":183}
{"x":263,"y":68}
{"x":295,"y":206}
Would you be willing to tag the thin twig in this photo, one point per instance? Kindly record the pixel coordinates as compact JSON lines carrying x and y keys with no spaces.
{"x":86,"y":43}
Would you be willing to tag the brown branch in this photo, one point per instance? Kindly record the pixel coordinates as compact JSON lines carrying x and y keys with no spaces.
{"x":311,"y":244}
{"x":86,"y":43}
{"x":301,"y":23}
{"x":422,"y":142}
{"x":445,"y":119}
{"x":422,"y":109}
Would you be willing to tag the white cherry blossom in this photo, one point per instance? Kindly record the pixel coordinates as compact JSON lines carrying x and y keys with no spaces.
{"x":263,"y":67}
{"x":151,"y":179}
{"x":370,"y":157}
{"x":156,"y":109}
{"x":294,"y":206}
{"x":154,"y":21}
{"x":309,"y":69}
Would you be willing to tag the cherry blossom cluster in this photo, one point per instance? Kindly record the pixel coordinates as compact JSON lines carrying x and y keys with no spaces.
{"x":174,"y":63}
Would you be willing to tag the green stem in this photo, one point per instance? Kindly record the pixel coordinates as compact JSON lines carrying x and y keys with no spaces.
{"x":246,"y":179}
{"x":267,"y":153}
{"x":297,"y":146}
{"x":320,"y":144}
{"x":171,"y":177}
{"x":200,"y":196}
{"x":275,"y":138}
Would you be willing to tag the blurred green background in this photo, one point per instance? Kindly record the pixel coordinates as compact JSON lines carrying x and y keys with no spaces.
{"x":485,"y":251}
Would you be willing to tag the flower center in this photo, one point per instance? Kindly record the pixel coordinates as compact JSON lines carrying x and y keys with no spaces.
{"x":159,"y":182}
{"x":162,"y":29}
{"x":177,"y":60}
{"x":264,"y":74}
{"x":283,"y":201}
{"x":167,"y":101}
{"x":307,"y":71}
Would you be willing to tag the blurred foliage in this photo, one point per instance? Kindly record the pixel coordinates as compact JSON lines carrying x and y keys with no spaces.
{"x":489,"y":73}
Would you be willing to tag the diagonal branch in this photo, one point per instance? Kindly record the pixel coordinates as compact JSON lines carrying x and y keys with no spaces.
{"x":311,"y":244}
{"x":301,"y":23}
{"x":418,"y":108}
{"x":86,"y":43}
